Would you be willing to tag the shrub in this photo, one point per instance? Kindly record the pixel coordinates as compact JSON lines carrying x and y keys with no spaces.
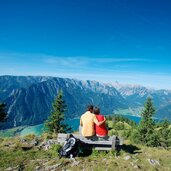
{"x":30,"y":137}
{"x":113,"y":132}
{"x":53,"y":151}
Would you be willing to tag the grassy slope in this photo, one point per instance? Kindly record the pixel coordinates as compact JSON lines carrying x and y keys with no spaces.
{"x":11,"y":132}
{"x":11,"y":155}
{"x":129,"y":111}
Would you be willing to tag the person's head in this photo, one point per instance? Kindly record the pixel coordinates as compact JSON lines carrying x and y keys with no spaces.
{"x":96,"y":110}
{"x":90,"y":108}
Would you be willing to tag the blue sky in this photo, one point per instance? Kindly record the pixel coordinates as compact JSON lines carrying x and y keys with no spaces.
{"x":105,"y":40}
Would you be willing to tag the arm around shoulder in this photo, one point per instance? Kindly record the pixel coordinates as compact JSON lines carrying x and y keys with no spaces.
{"x":99,"y":123}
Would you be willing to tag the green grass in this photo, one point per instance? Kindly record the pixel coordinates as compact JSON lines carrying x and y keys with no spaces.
{"x":12,"y":155}
{"x":12,"y":158}
{"x":124,"y":124}
{"x":129,"y":111}
{"x":11,"y":132}
{"x":111,"y":161}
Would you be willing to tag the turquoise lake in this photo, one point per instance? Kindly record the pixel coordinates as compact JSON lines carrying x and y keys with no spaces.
{"x":73,"y":123}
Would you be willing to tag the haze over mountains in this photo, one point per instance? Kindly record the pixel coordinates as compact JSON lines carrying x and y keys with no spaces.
{"x":29,"y":98}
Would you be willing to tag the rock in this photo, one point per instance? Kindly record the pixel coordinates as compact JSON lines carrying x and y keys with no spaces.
{"x":9,"y":169}
{"x":23,"y":140}
{"x":34,"y":142}
{"x":75,"y":163}
{"x":136,"y":160}
{"x":47,"y":144}
{"x":132,"y":164}
{"x":47,"y":163}
{"x":53,"y":167}
{"x":38,"y":168}
{"x":136,"y":167}
{"x":153,"y":162}
{"x":127,"y":157}
{"x":26,"y":146}
{"x":21,"y":167}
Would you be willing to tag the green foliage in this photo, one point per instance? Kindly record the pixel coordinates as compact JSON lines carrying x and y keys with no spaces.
{"x":113,"y":132}
{"x":134,"y":137}
{"x":126,"y":133}
{"x":53,"y":152}
{"x":46,"y":136}
{"x":95,"y":153}
{"x":55,"y":122}
{"x":102,"y":154}
{"x":165,"y":134}
{"x":159,"y":137}
{"x":3,"y":113}
{"x":38,"y":159}
{"x":153,"y":140}
{"x":146,"y":133}
{"x":120,"y":126}
{"x":11,"y":158}
{"x":29,"y":137}
{"x":116,"y":118}
{"x":110,"y":124}
{"x":149,"y":109}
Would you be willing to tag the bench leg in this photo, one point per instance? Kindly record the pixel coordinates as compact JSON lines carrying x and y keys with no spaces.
{"x":113,"y":143}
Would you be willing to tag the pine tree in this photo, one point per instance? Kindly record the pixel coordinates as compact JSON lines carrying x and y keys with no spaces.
{"x":56,"y":121}
{"x":3,"y":113}
{"x":165,"y":134}
{"x":146,"y":133}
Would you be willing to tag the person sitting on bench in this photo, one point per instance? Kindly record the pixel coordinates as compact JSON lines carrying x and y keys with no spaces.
{"x":101,"y":130}
{"x":88,"y":121}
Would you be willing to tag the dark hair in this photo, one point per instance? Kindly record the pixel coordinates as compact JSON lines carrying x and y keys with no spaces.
{"x":89,"y":107}
{"x":96,"y":110}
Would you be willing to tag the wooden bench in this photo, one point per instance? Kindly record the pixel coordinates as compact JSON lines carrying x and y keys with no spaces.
{"x":111,"y":144}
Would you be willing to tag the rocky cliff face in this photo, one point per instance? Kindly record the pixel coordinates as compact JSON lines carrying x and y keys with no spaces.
{"x":29,"y":99}
{"x":137,"y":94}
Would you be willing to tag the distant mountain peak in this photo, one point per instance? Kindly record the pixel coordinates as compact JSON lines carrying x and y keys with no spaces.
{"x":29,"y":98}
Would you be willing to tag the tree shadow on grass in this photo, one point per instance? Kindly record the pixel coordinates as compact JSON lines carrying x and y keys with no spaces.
{"x":132,"y":149}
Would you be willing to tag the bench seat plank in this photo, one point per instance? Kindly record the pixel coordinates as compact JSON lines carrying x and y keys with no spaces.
{"x":109,"y":144}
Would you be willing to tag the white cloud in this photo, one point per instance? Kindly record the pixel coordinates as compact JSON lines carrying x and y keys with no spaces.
{"x":65,"y":61}
{"x":56,"y":59}
{"x":118,"y":60}
{"x":154,"y":80}
{"x":98,"y":63}
{"x":84,"y":68}
{"x":72,"y":60}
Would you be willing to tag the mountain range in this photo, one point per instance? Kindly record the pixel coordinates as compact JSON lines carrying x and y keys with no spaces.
{"x":29,"y":98}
